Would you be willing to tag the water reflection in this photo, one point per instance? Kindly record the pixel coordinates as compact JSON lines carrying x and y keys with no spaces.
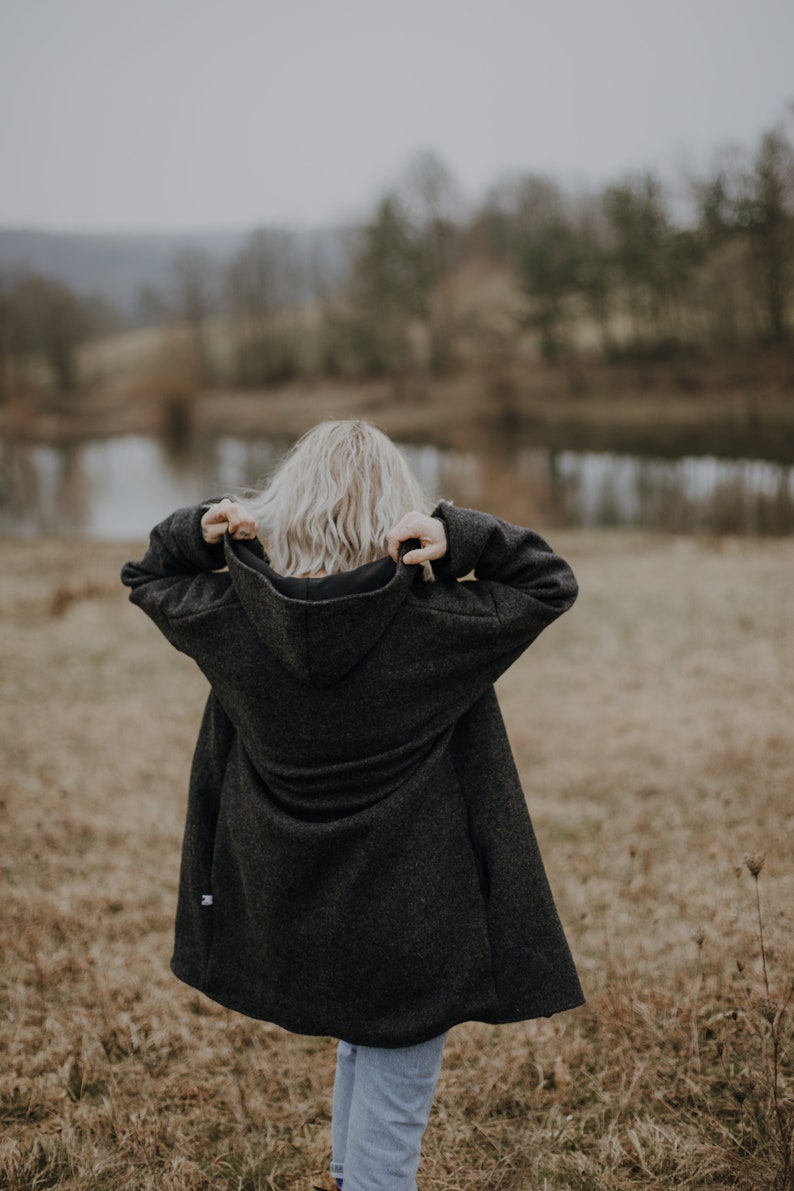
{"x":587,"y":488}
{"x":117,"y":488}
{"x":694,"y":493}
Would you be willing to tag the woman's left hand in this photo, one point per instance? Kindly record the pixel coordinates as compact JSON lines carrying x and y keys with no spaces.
{"x":228,"y":516}
{"x":430,"y":532}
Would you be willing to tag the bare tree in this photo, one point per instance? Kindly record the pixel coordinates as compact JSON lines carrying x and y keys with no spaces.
{"x":767,"y":211}
{"x":6,"y":331}
{"x":434,"y":207}
{"x":195,"y":286}
{"x":263,"y":284}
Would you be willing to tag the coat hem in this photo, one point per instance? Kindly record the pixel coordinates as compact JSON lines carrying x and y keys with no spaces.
{"x":356,"y":1038}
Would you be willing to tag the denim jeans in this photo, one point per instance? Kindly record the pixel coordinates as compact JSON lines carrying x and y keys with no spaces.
{"x":382,"y":1099}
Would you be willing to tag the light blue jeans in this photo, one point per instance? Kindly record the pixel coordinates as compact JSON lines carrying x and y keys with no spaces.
{"x":382,"y":1099}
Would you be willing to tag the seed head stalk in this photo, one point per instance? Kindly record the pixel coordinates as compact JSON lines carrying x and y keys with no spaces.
{"x":761,"y":934}
{"x":755,"y":862}
{"x":774,"y":1015}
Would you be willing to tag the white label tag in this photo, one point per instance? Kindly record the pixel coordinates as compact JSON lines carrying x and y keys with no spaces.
{"x":206,"y":899}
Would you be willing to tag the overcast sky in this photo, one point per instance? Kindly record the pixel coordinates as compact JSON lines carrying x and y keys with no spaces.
{"x":185,"y":114}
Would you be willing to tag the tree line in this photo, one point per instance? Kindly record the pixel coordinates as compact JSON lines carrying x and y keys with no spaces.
{"x":433,"y":285}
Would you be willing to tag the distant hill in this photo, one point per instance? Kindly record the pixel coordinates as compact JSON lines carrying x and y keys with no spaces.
{"x":119,"y":266}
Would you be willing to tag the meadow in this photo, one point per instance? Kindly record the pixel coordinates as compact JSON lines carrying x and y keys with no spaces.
{"x":653,"y":731}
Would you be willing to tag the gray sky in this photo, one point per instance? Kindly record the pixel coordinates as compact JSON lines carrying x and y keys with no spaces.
{"x":181,"y":114}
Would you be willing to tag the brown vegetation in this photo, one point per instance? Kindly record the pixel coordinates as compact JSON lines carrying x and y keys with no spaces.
{"x":652,"y":728}
{"x":602,"y":407}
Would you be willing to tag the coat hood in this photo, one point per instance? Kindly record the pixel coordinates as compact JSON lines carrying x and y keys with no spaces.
{"x":319,"y":629}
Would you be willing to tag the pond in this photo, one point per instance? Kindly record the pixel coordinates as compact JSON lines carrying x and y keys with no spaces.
{"x":118,"y":487}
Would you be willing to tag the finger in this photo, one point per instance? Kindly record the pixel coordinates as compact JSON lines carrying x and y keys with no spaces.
{"x":409,"y":526}
{"x":413,"y":557}
{"x":393,"y":540}
{"x":397,"y":541}
{"x":416,"y":557}
{"x":244,"y":527}
{"x":218,"y":514}
{"x":242,"y":519}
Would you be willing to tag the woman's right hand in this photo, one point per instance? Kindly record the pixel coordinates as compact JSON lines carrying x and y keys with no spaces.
{"x":228,"y":516}
{"x":430,"y":532}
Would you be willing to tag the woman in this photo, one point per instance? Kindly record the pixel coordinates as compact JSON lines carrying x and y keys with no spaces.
{"x":358,"y":859}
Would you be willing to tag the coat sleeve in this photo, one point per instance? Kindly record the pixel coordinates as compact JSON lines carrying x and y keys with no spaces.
{"x":520,"y":585}
{"x":179,"y":578}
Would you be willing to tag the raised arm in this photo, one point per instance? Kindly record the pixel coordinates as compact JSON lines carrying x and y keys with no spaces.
{"x":508,"y":554}
{"x":520,"y":586}
{"x":178,"y":578}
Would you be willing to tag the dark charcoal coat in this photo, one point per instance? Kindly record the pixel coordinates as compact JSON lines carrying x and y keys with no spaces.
{"x":354,"y":809}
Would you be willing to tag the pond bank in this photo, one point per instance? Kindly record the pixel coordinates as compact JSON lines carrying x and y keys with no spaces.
{"x":458,"y":412}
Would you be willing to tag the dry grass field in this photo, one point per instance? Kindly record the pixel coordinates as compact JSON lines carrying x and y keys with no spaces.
{"x":654,"y":730}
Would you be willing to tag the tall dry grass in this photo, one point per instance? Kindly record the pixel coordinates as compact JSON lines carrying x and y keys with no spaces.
{"x":653,"y":730}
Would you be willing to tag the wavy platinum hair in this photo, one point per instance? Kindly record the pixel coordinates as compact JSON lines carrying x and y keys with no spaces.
{"x":333,"y":499}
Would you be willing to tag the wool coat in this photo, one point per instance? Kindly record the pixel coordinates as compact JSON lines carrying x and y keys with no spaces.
{"x":358,"y":857}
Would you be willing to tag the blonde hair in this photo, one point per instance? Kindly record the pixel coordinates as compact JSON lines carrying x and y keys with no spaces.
{"x":333,"y":499}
